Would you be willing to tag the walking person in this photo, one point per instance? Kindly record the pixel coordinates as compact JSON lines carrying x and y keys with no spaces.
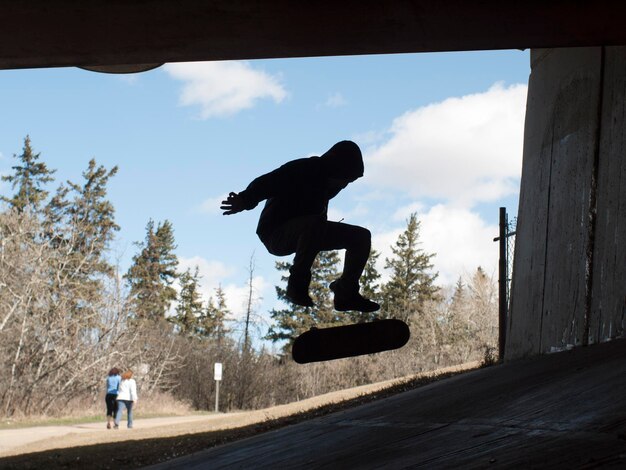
{"x":126,"y":398}
{"x":294,"y":220}
{"x":112,"y":385}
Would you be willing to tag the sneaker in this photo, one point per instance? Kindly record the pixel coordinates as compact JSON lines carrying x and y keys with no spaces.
{"x":298,"y":294}
{"x":351,"y":300}
{"x":116,"y":427}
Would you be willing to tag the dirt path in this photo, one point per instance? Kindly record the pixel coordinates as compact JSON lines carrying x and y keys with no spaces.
{"x":93,"y":445}
{"x":24,"y":440}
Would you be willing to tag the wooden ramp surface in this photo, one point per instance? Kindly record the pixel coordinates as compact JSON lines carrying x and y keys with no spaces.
{"x":565,"y":410}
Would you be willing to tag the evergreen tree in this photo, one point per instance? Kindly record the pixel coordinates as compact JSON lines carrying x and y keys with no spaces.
{"x":79,"y":221}
{"x":458,"y":302}
{"x":55,"y":214}
{"x":481,"y":288}
{"x":369,"y":287}
{"x":28,"y":179}
{"x":456,"y":321}
{"x":412,"y":282}
{"x":190,"y":308}
{"x":458,"y":297}
{"x":212,"y":321}
{"x":152,"y":273}
{"x":473,"y":317}
{"x":294,"y":320}
{"x":483,"y":294}
{"x":91,"y":217}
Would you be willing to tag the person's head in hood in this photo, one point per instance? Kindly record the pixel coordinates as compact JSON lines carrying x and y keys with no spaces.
{"x":344,"y":160}
{"x":343,"y":164}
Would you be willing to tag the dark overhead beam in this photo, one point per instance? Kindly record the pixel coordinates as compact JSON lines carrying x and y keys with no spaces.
{"x":51,"y":33}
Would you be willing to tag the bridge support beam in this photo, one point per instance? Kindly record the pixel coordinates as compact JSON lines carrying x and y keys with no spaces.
{"x":569,"y":273}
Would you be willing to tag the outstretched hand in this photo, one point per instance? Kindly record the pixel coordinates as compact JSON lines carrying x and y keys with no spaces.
{"x":233,"y":204}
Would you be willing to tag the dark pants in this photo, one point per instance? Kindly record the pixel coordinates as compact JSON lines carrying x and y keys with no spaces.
{"x":111,"y":401}
{"x":308,"y":235}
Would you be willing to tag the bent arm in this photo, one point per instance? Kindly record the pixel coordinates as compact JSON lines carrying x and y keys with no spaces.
{"x":264,"y":187}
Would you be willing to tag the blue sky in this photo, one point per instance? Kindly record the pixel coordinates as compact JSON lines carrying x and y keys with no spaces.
{"x":441,"y":135}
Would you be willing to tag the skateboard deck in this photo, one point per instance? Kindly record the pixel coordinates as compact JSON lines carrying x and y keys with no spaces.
{"x":325,"y":344}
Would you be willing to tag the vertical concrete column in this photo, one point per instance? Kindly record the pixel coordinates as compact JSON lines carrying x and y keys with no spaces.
{"x":608,"y":292}
{"x":549,"y":308}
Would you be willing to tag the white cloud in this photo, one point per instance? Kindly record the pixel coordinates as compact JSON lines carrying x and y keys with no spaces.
{"x":382,"y":242}
{"x":375,"y":195}
{"x":224,"y":88}
{"x":461,"y":239}
{"x":237,"y":296}
{"x":462,"y":150}
{"x":212,"y":205}
{"x":369,"y":138}
{"x":214,"y":274}
{"x":335,"y":100}
{"x":360,"y":210}
{"x":130,"y":78}
{"x":403,"y":213}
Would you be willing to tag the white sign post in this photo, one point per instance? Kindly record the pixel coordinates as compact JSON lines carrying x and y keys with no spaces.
{"x":217,"y":373}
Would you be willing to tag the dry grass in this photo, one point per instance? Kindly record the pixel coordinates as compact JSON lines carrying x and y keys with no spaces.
{"x":157,"y":404}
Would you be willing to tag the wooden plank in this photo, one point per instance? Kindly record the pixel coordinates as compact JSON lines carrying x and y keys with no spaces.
{"x":608,"y":302}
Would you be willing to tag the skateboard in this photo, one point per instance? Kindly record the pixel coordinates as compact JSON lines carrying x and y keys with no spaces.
{"x":325,"y":344}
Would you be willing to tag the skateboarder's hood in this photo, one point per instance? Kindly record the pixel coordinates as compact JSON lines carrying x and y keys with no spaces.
{"x":344,"y":160}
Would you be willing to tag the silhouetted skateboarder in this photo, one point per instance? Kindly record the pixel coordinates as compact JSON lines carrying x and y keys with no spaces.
{"x":294,"y":220}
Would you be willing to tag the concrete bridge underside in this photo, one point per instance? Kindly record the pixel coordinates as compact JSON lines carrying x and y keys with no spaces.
{"x":41,"y":33}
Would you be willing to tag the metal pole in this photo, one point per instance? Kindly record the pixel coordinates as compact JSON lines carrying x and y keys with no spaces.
{"x":217,"y":395}
{"x":502,"y":284}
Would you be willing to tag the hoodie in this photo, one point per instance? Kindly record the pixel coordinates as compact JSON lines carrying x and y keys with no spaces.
{"x":302,"y":187}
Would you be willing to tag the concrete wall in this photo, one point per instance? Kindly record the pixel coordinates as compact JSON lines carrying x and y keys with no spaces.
{"x":569,"y":273}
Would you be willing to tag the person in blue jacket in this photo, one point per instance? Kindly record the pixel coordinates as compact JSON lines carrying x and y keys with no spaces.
{"x":112,"y":386}
{"x":294,"y":220}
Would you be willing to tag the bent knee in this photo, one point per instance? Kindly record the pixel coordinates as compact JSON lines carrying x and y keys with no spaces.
{"x":362,"y":235}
